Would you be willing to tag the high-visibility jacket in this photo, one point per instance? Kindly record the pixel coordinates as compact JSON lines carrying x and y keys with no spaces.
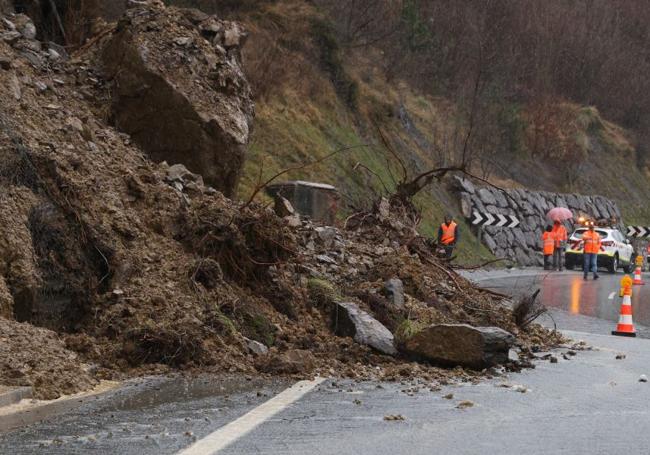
{"x":560,"y":234}
{"x":548,"y":243}
{"x":592,"y":242}
{"x":448,"y":233}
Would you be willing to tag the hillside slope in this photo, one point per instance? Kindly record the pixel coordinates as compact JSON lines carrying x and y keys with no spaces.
{"x":315,"y":97}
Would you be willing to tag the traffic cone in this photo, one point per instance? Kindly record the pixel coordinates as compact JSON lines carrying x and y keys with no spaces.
{"x":625,"y":327}
{"x":637,"y":277}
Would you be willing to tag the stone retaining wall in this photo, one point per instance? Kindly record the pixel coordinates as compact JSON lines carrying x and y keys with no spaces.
{"x":522,"y":244}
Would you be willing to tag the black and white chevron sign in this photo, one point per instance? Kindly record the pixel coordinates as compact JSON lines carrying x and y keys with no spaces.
{"x":498,"y":220}
{"x":638,"y":231}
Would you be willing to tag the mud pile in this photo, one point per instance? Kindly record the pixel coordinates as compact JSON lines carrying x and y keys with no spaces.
{"x":143,"y":267}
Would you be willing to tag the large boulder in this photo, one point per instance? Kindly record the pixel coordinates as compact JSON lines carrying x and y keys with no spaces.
{"x":293,"y":361}
{"x":461,"y":344}
{"x":350,"y":320}
{"x":180,"y":91}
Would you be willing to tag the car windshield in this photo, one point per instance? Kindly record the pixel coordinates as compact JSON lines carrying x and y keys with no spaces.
{"x":579,"y":233}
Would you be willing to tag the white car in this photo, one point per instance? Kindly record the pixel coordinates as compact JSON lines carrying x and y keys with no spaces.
{"x":616,"y":252}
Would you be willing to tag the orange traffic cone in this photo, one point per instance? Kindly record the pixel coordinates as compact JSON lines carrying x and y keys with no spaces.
{"x":637,"y":277}
{"x":625,"y":325}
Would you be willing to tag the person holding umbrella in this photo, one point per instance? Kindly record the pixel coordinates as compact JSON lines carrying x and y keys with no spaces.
{"x":560,"y":235}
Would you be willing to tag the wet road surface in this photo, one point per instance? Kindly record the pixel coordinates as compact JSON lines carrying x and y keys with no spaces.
{"x":575,"y":304}
{"x":148,"y":416}
{"x":588,"y":404}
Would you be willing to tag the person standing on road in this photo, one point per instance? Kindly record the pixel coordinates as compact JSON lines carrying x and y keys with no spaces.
{"x":561,"y":236}
{"x":592,"y":245}
{"x":548,"y":246}
{"x":448,"y":236}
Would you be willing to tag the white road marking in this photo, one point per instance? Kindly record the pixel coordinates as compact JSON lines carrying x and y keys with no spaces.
{"x":611,"y":296}
{"x":226,"y":435}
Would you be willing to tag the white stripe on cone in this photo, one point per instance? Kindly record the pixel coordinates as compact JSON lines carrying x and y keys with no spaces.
{"x":625,"y":319}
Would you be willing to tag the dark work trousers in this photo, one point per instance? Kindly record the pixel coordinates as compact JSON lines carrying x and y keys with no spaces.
{"x":449,"y":250}
{"x":558,"y":258}
{"x":590,"y":264}
{"x":547,"y":261}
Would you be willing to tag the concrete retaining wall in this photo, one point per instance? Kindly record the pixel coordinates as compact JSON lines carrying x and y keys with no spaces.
{"x":522,"y":244}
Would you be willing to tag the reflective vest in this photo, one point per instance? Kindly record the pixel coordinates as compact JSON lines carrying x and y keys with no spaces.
{"x":592,"y":242}
{"x":548,"y":242}
{"x":448,"y":233}
{"x":560,"y":234}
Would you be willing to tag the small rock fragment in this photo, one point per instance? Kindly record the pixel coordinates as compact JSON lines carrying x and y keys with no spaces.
{"x":553,"y":359}
{"x":394,"y":417}
{"x":449,"y":396}
{"x":465,"y":404}
{"x":643,"y":378}
{"x":620,"y":356}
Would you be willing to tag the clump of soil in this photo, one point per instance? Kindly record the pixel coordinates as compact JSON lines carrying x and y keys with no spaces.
{"x":37,"y":357}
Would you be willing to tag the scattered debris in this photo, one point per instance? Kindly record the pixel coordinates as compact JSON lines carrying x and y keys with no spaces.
{"x":395,"y":417}
{"x":465,"y":404}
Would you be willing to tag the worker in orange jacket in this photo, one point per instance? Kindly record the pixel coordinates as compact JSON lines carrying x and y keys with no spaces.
{"x":448,"y":235}
{"x":561,"y":236}
{"x":592,"y":245}
{"x":548,"y":246}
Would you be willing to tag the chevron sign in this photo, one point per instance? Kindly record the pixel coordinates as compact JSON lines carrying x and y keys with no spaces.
{"x":498,"y":220}
{"x":638,"y":231}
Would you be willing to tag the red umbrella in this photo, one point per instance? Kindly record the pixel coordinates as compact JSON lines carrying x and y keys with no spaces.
{"x":559,"y":214}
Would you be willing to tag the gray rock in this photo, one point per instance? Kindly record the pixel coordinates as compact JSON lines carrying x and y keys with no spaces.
{"x":492,"y":209}
{"x":179,"y":173}
{"x":465,"y":185}
{"x":283,"y":208}
{"x":349,"y":320}
{"x":28,"y":30}
{"x":501,"y":199}
{"x":326,"y":234}
{"x":326,"y":259}
{"x":10,"y":37}
{"x":486,"y":196}
{"x":489,"y":242}
{"x":466,"y":205}
{"x":394,"y":290}
{"x":461,"y":344}
{"x":255,"y":347}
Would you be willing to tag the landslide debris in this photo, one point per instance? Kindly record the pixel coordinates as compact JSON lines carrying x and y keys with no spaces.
{"x":141,"y":266}
{"x":37,"y":357}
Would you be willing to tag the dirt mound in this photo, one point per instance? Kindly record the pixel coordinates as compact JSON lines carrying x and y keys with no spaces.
{"x":142,"y":267}
{"x":36,"y":357}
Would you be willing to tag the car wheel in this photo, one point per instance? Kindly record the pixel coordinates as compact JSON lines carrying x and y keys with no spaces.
{"x":629,"y":268}
{"x":613,"y":267}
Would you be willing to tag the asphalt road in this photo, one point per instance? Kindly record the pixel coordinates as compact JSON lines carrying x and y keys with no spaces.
{"x":590,"y":403}
{"x":574,"y":304}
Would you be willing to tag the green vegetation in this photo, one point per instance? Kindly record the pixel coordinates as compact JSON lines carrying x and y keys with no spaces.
{"x":322,"y":293}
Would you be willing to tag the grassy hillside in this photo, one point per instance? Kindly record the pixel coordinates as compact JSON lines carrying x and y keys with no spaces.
{"x":316,"y":96}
